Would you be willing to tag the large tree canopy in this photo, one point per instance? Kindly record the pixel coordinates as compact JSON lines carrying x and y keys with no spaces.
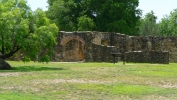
{"x":25,"y":30}
{"x":105,"y":15}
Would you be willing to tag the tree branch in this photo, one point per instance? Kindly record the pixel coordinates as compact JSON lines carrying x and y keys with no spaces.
{"x":8,"y":55}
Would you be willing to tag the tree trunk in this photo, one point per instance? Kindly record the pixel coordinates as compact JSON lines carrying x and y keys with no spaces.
{"x":4,"y":65}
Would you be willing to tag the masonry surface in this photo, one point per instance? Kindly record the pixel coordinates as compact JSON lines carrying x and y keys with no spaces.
{"x":97,"y":47}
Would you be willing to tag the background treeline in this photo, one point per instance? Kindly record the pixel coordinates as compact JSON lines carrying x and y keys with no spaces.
{"x":95,"y":15}
{"x":121,"y":16}
{"x":166,"y":27}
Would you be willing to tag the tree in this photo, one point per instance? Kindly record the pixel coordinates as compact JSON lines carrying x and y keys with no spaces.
{"x":148,"y":25}
{"x":85,"y":23}
{"x":24,"y":30}
{"x":168,"y":25}
{"x":117,"y":16}
{"x":64,"y":13}
{"x":108,"y":15}
{"x":164,"y":26}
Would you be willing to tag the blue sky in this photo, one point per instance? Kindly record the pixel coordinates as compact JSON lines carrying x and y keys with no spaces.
{"x":160,"y":7}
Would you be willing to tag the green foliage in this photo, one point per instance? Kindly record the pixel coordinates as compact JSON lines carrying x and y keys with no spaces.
{"x":85,"y":23}
{"x":26,"y":59}
{"x":62,"y":13}
{"x":168,"y":25}
{"x":107,"y":15}
{"x":148,"y":25}
{"x":151,"y":17}
{"x":25,"y":30}
{"x":163,"y":27}
{"x":45,"y":59}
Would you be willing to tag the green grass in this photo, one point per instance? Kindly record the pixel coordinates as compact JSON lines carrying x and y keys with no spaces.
{"x":88,"y":81}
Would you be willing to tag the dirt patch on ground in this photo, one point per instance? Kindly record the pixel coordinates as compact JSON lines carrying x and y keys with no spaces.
{"x":56,"y":81}
{"x":24,"y":88}
{"x":7,"y":74}
{"x":169,"y":85}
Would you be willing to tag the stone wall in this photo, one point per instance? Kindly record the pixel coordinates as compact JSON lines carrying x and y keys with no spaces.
{"x":97,"y":46}
{"x":73,"y":46}
{"x":158,"y":44}
{"x":147,"y":57}
{"x":83,"y":46}
{"x":102,"y":53}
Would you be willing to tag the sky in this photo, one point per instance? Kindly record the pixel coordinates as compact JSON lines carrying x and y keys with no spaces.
{"x":34,"y":4}
{"x":159,"y":7}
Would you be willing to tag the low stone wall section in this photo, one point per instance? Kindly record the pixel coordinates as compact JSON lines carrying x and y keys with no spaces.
{"x":102,"y":53}
{"x":153,"y":43}
{"x":147,"y":57}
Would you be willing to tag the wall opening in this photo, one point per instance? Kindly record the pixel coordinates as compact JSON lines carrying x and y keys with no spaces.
{"x":74,"y":51}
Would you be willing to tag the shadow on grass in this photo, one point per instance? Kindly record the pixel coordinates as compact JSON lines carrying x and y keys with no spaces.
{"x":34,"y":68}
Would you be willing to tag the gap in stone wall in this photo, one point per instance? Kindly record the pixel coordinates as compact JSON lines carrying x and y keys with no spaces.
{"x":73,"y":51}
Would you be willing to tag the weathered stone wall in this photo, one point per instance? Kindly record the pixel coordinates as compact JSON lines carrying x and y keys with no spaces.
{"x":83,"y":46}
{"x":73,"y":46}
{"x":97,"y":46}
{"x":102,"y":53}
{"x":147,"y":57}
{"x":154,"y":44}
{"x":120,"y":41}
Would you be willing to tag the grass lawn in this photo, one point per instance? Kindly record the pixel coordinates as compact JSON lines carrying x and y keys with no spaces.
{"x":88,"y":81}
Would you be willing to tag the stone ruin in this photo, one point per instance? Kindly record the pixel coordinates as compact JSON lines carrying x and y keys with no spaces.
{"x":97,"y":47}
